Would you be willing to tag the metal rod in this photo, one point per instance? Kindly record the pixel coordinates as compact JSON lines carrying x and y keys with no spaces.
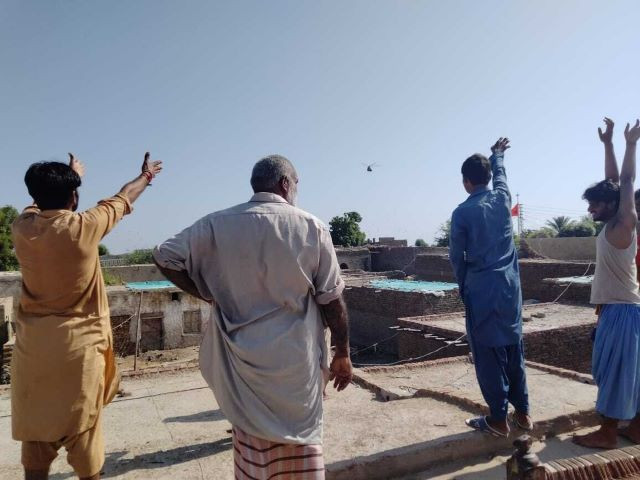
{"x":138,"y":334}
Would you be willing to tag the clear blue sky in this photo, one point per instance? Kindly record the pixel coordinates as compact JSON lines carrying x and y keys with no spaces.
{"x":416,"y":86}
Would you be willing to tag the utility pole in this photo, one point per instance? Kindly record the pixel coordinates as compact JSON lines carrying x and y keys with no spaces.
{"x":520,"y":217}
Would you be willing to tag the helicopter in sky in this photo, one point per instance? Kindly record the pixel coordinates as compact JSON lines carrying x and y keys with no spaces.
{"x":370,"y":166}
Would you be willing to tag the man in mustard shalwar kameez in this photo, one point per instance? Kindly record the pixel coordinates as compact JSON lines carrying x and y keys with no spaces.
{"x":63,"y":366}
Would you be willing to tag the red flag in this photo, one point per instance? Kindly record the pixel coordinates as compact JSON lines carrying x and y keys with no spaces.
{"x":515,"y":211}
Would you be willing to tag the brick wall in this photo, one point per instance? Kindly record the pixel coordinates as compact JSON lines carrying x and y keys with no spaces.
{"x":354,"y":258}
{"x":386,"y":258}
{"x":372,"y":312}
{"x":532,"y":273}
{"x":427,"y":340}
{"x":434,"y":267}
{"x":568,"y":347}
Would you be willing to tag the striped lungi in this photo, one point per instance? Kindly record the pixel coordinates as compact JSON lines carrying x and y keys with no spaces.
{"x":258,"y":459}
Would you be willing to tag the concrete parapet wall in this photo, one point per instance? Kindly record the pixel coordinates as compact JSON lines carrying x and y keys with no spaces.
{"x":135,"y":273}
{"x":566,"y":248}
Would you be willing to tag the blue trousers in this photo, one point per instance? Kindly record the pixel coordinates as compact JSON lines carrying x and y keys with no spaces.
{"x":502,"y":378}
{"x":616,"y":361}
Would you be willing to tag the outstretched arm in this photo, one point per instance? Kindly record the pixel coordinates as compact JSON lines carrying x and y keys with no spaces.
{"x":135,"y":187}
{"x":497,"y":167}
{"x":610,"y":163}
{"x":626,"y":218}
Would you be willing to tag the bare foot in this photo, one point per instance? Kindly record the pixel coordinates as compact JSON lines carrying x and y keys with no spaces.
{"x":598,"y":439}
{"x":631,"y":434}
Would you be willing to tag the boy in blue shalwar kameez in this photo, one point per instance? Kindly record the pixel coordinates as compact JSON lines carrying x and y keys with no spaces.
{"x":485,"y":262}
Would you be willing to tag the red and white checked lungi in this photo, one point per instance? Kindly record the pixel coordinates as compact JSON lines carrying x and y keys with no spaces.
{"x":258,"y":459}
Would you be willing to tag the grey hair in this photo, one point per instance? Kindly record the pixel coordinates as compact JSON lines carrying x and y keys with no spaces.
{"x":268,"y":172}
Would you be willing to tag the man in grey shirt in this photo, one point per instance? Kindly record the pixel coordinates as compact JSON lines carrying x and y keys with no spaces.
{"x":271,"y":273}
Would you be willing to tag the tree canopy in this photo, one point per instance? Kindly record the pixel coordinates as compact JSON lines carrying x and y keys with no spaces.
{"x":8,"y":260}
{"x":345,"y":230}
{"x":443,"y":234}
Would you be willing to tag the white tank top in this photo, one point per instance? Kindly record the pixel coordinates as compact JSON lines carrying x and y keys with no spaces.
{"x":615,"y":280}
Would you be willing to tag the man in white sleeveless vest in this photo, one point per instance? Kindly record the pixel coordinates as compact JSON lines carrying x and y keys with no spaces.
{"x":616,"y":349}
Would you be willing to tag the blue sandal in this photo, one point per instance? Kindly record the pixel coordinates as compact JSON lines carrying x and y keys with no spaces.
{"x":481,"y":424}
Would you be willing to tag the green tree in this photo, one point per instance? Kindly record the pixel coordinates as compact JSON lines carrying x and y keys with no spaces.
{"x":580,"y":229}
{"x":421,"y":243}
{"x":544,"y":232}
{"x":560,"y":225}
{"x":8,"y":260}
{"x":103,"y":250}
{"x":443,"y":234}
{"x":597,"y":226}
{"x":139,"y":257}
{"x":345,"y":230}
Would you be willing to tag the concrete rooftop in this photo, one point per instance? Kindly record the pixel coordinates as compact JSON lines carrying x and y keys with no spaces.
{"x":538,"y":317}
{"x":170,"y":425}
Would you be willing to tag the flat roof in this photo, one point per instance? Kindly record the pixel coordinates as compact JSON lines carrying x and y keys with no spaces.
{"x":543,"y":316}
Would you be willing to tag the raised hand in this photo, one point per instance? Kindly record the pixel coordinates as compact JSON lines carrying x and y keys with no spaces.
{"x":76,"y":165}
{"x":501,"y":145}
{"x":607,"y":136}
{"x":632,"y":134}
{"x":153,"y":167}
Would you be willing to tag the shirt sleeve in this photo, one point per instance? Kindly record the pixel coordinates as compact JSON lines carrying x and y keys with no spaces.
{"x":457,"y":249}
{"x":327,"y":281}
{"x":100,"y":220}
{"x":500,"y":175}
{"x":179,"y":253}
{"x":175,"y":253}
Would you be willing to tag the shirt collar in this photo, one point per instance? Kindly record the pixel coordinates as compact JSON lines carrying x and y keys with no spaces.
{"x":53,"y":213}
{"x":479,"y":190}
{"x":267,"y":197}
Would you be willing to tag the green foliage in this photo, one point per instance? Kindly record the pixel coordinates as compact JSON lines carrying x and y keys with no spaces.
{"x":110,"y":278}
{"x":345,"y":230}
{"x":421,"y":243}
{"x":103,"y":250}
{"x":544,"y":232}
{"x":560,"y":225}
{"x":579,"y":229}
{"x":442,"y":237}
{"x":139,"y":257}
{"x":597,"y":226}
{"x":8,"y":260}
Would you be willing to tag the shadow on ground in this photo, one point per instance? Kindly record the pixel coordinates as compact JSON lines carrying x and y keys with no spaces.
{"x":114,"y":466}
{"x":208,"y":416}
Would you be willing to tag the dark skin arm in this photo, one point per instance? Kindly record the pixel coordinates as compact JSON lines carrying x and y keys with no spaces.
{"x":181,"y":280}
{"x":135,"y":187}
{"x":335,"y":314}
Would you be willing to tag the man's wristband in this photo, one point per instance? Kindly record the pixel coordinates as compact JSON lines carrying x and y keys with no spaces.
{"x":148,"y":175}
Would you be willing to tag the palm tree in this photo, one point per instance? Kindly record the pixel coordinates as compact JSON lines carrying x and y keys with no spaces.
{"x":559,"y":225}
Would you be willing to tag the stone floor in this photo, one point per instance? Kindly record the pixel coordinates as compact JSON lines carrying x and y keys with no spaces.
{"x":170,"y":427}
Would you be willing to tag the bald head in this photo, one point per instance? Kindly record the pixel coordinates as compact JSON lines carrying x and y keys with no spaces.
{"x":269,"y":172}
